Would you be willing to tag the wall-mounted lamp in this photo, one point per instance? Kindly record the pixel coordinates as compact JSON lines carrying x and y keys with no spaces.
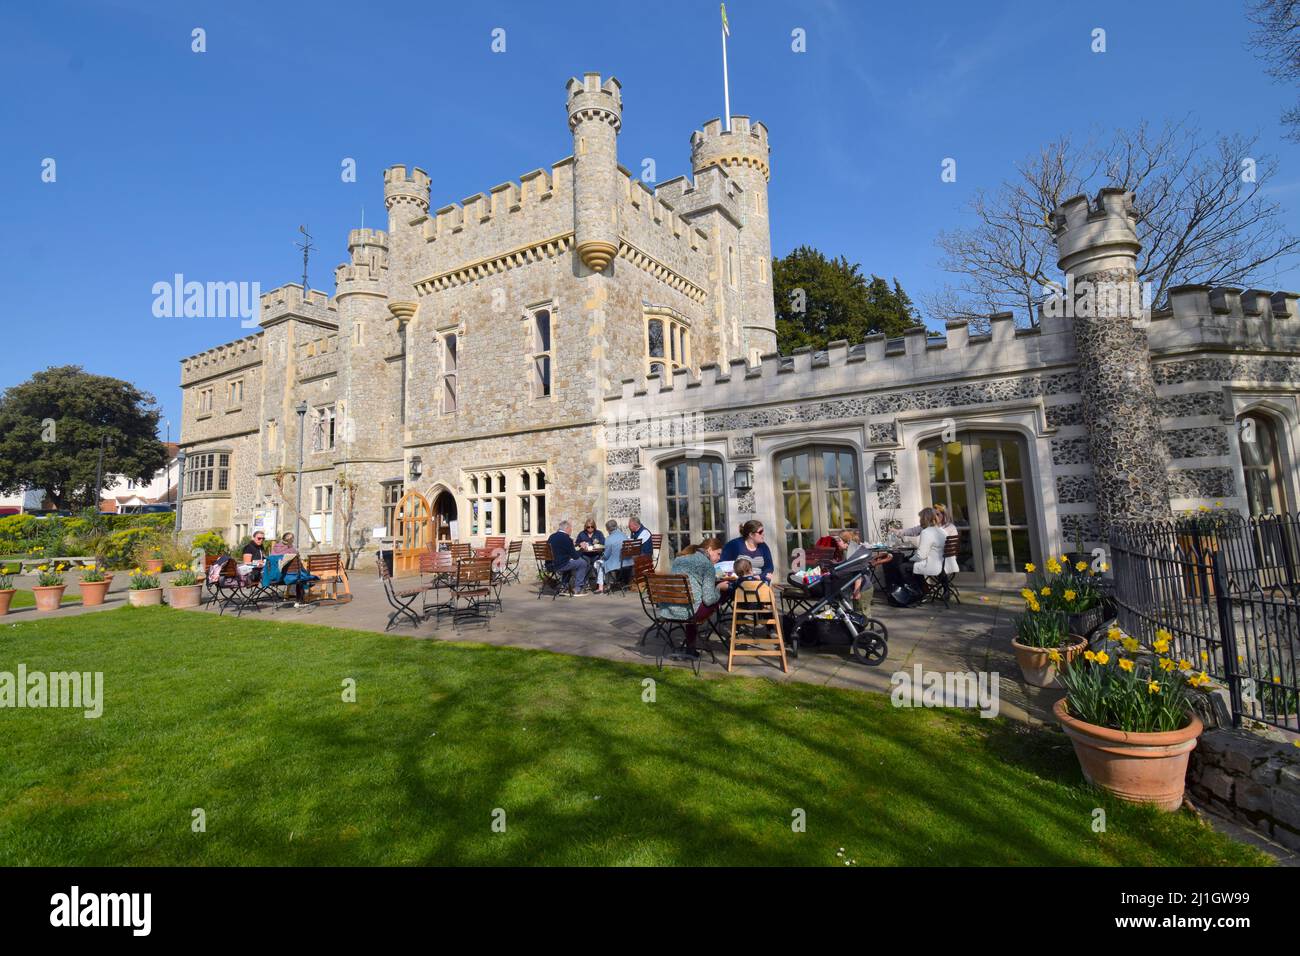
{"x":417,"y":466}
{"x":744,"y":478}
{"x":884,"y":468}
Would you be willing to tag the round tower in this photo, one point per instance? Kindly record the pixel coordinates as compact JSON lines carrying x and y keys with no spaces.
{"x":405,"y":195}
{"x":743,"y":152}
{"x":595,"y":117}
{"x":1097,"y":247}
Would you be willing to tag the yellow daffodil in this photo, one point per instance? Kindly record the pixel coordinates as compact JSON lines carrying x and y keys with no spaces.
{"x":1167,"y":665}
{"x":1125,"y":664}
{"x":1130,"y":644}
{"x":1184,"y":664}
{"x":1202,"y":508}
{"x":1054,"y":656}
{"x":1089,"y":655}
{"x":1030,"y":568}
{"x":1202,"y":678}
{"x":1081,"y":566}
{"x":1045,"y":591}
{"x":1070,"y":595}
{"x":1160,"y":645}
{"x":1105,"y":566}
{"x":1153,"y":687}
{"x":1053,"y":566}
{"x":1204,"y":656}
{"x":1103,"y":657}
{"x":1277,"y":680}
{"x":1026,"y":593}
{"x":1114,"y":633}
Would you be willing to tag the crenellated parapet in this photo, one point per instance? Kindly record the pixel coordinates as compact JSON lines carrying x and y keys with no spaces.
{"x":744,"y":145}
{"x":591,"y":100}
{"x":406,"y":190}
{"x":510,"y":200}
{"x":222,"y":359}
{"x":711,"y":189}
{"x":1096,"y":235}
{"x":288,"y":301}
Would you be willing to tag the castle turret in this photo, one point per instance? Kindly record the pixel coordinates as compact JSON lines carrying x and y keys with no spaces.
{"x":743,"y":153}
{"x":1097,"y":247}
{"x":595,"y":116}
{"x":405,"y":195}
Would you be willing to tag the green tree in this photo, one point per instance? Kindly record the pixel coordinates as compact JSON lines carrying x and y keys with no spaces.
{"x":820,"y":300}
{"x":51,"y":427}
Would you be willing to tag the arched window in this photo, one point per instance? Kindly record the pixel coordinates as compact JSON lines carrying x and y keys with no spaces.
{"x":1261,"y":463}
{"x":695,"y":501}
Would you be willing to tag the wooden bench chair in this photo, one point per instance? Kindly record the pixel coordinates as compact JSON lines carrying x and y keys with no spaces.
{"x":329,"y":568}
{"x":548,"y":578}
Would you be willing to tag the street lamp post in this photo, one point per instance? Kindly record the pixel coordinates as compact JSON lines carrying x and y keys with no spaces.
{"x":301,"y":409}
{"x":180,"y":492}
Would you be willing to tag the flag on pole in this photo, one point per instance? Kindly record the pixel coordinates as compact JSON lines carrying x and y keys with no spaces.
{"x":726,"y":30}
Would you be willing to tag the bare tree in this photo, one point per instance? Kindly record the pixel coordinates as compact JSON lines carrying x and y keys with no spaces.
{"x":1277,"y":41}
{"x":1205,"y":218}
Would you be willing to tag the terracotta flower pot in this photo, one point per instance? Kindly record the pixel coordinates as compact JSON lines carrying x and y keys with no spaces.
{"x":1139,"y":768}
{"x":185,"y":595}
{"x":144,"y":597}
{"x":5,"y":597}
{"x":92,"y":592}
{"x":154,"y":566}
{"x":49,"y":599}
{"x":1035,"y":665}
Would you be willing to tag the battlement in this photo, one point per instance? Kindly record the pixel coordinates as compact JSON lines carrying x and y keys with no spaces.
{"x":533,"y":188}
{"x":359,"y":272}
{"x":237,"y":354}
{"x":367,"y":237}
{"x":412,"y":189}
{"x":590,"y":99}
{"x":745,"y":144}
{"x":288,"y":300}
{"x":918,"y":355}
{"x":646,"y":204}
{"x":1096,"y":235}
{"x":711,"y":188}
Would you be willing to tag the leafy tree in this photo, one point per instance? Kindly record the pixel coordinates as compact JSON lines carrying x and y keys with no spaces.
{"x":51,"y":427}
{"x":820,"y":300}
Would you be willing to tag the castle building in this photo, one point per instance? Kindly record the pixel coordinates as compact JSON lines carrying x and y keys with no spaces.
{"x":577,"y":343}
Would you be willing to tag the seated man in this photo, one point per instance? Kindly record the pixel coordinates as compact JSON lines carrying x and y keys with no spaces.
{"x":635,"y":529}
{"x":565,"y":558}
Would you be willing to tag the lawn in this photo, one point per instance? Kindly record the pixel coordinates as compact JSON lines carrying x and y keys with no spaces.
{"x":245,"y":720}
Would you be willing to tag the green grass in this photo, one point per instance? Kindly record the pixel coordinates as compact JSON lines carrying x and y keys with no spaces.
{"x":244,"y":719}
{"x":25,"y":598}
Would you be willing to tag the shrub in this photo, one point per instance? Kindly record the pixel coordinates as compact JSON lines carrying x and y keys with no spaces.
{"x":28,"y":534}
{"x":212,"y":543}
{"x":118,"y":549}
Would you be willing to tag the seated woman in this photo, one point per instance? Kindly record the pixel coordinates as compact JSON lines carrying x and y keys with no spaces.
{"x":928,"y":559}
{"x":589,"y":535}
{"x":612,"y":562}
{"x":751,"y":544}
{"x":948,"y":528}
{"x":696,"y":561}
{"x":285,"y":546}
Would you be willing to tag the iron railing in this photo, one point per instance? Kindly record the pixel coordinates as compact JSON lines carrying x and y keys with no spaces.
{"x":1228,"y":589}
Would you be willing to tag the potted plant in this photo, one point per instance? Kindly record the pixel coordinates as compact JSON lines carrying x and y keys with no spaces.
{"x":49,"y":588}
{"x":1130,"y":718}
{"x":6,"y":592}
{"x":1069,"y":588}
{"x":186,"y":589}
{"x":1043,"y":642}
{"x":94,"y":585}
{"x":144,"y":589}
{"x":154,"y":563}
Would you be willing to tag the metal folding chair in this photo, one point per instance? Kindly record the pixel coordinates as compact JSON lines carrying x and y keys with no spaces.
{"x":514,"y":551}
{"x":940,"y":587}
{"x":473,"y":585}
{"x":656,"y":542}
{"x":548,"y":578}
{"x":441,"y":570}
{"x":399,"y":600}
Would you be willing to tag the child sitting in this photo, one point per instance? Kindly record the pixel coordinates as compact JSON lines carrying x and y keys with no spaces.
{"x":743,"y":569}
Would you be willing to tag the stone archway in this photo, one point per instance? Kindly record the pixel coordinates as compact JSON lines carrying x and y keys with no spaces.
{"x":445,"y":523}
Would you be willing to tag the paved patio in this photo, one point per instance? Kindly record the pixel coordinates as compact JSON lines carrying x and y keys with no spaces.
{"x":973,"y":636}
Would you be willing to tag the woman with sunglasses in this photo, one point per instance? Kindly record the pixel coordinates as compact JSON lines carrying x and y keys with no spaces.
{"x":751,"y":544}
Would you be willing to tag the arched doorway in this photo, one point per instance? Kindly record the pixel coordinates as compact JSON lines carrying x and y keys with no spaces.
{"x":413,"y":532}
{"x":982,"y":478}
{"x":694,"y":494}
{"x":445,"y":526}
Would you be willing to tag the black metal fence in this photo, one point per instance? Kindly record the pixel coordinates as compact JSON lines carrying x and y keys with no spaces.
{"x":1228,"y":589}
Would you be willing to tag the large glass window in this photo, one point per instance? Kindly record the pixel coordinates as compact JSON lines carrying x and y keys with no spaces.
{"x":819,"y":490}
{"x":1265,"y":490}
{"x":981,"y":479}
{"x":207,"y":471}
{"x":695,"y":502}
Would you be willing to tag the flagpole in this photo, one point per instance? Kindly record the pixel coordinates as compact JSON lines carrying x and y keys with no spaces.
{"x":726,"y":92}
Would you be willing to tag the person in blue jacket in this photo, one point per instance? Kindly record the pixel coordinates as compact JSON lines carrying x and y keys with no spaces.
{"x":635,"y":529}
{"x":751,"y":544}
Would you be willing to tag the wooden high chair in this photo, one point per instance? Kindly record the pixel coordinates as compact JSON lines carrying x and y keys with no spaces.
{"x":755,"y":611}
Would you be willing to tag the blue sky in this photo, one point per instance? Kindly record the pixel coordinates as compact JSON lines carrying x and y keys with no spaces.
{"x":205,"y":164}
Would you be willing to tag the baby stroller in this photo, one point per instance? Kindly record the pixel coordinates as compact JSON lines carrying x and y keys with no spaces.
{"x":825,"y":614}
